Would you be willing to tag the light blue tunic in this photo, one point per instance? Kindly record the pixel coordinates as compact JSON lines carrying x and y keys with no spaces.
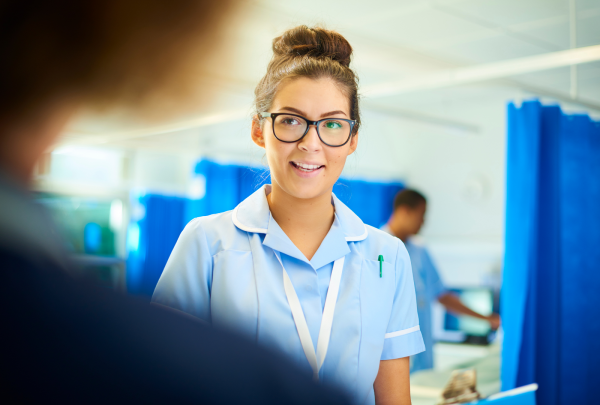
{"x":223,"y":270}
{"x":429,"y":288}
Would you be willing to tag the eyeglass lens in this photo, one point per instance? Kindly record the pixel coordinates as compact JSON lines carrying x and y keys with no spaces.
{"x":290,"y":128}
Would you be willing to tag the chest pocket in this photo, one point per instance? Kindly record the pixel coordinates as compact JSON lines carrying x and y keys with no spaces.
{"x":376,"y":297}
{"x":234,"y":303}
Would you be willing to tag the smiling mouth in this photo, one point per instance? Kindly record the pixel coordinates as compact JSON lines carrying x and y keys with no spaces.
{"x":306,"y":168}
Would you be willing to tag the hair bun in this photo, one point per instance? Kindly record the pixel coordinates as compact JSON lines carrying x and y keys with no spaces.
{"x":313,"y":42}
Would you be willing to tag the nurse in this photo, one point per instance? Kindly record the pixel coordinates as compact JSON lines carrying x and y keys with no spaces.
{"x":405,"y":223}
{"x":291,"y":266}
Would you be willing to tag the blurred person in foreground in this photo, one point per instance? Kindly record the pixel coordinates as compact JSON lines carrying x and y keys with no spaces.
{"x":406,"y":221}
{"x":66,"y":340}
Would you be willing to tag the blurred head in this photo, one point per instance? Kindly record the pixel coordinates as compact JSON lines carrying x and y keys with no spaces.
{"x":64,"y":54}
{"x":409,"y":213}
{"x":309,"y":77}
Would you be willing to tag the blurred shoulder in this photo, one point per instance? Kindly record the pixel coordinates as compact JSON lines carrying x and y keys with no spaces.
{"x":416,"y":244}
{"x":417,"y":241}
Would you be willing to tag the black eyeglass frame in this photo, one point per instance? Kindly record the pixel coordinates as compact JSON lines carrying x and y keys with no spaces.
{"x":309,"y":122}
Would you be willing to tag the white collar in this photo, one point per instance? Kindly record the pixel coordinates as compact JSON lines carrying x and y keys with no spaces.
{"x":253,"y":214}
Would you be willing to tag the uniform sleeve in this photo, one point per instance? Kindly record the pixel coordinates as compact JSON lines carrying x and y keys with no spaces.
{"x":403,"y":337}
{"x":435,"y":286}
{"x":186,"y":282}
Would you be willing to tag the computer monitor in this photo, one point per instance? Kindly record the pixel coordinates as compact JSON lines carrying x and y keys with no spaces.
{"x":451,"y":328}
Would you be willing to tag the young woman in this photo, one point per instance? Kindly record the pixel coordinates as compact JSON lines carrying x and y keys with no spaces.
{"x":292,"y":266}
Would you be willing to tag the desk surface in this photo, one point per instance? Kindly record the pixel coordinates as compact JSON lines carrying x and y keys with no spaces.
{"x":426,"y":386}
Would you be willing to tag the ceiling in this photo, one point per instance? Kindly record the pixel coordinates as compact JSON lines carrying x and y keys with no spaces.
{"x":393,"y":41}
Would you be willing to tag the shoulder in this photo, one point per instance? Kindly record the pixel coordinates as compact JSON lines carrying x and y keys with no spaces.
{"x":208,"y":222}
{"x":379,"y":236}
{"x":417,"y":241}
{"x":379,"y":242}
{"x":218,"y":232}
{"x":416,"y":246}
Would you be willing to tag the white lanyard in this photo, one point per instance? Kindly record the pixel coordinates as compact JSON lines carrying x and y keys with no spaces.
{"x":315,"y":360}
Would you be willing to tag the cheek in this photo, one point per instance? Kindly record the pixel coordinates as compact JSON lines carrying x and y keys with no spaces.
{"x":277,"y":154}
{"x":337,"y":159}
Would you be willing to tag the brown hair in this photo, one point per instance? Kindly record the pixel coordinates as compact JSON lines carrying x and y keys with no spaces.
{"x":314,"y":53}
{"x":100,"y":51}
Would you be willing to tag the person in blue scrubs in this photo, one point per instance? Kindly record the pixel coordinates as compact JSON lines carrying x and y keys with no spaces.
{"x":291,"y":266}
{"x":406,"y":221}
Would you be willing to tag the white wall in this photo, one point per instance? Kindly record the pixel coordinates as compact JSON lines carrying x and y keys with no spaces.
{"x":161,"y":172}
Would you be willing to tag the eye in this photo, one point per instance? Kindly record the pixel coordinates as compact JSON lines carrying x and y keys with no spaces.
{"x":332,"y":124}
{"x":290,"y":121}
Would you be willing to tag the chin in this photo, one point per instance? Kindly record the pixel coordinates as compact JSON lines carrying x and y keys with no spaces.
{"x":307,"y":191}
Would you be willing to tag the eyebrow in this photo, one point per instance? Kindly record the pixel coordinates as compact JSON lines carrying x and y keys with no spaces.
{"x":299,"y":112}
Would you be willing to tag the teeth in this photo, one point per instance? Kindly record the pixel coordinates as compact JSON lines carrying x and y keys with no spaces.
{"x":303,"y":166}
{"x":306,"y":167}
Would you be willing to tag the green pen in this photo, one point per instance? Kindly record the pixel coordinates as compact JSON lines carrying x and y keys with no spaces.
{"x":380,"y":258}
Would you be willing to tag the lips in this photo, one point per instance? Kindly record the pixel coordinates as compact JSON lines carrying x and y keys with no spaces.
{"x":308,"y":168}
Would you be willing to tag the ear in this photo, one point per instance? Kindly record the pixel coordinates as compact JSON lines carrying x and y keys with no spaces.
{"x":257,"y":133}
{"x":353,"y":144}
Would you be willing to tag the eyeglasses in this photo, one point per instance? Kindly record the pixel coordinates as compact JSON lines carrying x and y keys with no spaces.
{"x":291,"y":128}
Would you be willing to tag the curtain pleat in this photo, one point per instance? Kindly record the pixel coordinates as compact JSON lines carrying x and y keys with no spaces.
{"x":521,"y":200}
{"x":157,"y":232}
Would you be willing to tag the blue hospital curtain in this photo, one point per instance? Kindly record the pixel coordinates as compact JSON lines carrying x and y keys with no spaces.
{"x":372,"y":201}
{"x":551,"y":280}
{"x":227,"y":185}
{"x":151,"y":239}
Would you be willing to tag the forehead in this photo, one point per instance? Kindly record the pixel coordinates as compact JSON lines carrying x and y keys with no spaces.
{"x":312,"y":96}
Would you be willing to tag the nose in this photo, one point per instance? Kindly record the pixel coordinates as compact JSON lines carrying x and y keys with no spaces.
{"x":311,"y":141}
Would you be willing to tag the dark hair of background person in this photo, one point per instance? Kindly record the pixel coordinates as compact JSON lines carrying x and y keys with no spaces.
{"x":314,"y":53}
{"x":409,"y":198}
{"x":101,"y":52}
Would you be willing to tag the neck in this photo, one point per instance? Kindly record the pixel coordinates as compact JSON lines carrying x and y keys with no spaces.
{"x":305,"y":221}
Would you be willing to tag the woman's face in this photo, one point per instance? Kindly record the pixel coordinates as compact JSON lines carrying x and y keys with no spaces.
{"x":307,"y":168}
